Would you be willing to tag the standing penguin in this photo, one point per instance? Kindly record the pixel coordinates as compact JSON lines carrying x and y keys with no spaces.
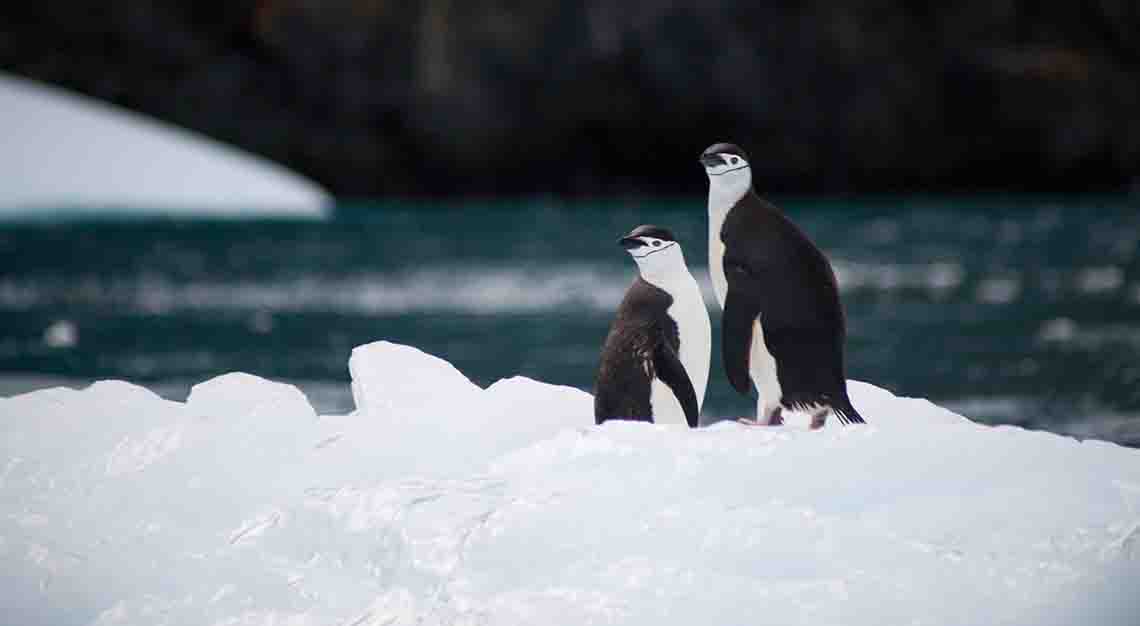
{"x":783,"y":324}
{"x":655,"y":361}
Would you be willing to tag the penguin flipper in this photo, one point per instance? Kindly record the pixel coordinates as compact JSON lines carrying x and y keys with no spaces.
{"x":740,"y":313}
{"x":669,"y":369}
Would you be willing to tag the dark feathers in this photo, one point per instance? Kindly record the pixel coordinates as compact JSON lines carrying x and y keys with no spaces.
{"x":740,"y":311}
{"x":725,"y":148}
{"x":777,"y":275}
{"x":649,"y":230}
{"x":642,"y":344}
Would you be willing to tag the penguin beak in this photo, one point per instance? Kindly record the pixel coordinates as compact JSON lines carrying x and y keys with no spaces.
{"x":711,"y":160}
{"x":630,"y":243}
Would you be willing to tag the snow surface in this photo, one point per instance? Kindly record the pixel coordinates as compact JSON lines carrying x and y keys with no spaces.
{"x":64,"y":151}
{"x":438,"y":502}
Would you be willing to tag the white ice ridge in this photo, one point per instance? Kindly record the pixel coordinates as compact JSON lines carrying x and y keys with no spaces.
{"x":61,"y":150}
{"x":438,"y":502}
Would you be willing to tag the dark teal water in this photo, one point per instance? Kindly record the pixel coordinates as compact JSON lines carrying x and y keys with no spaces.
{"x":1011,"y":310}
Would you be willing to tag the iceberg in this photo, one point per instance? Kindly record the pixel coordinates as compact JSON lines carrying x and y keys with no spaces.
{"x":440,"y":502}
{"x":63,"y":152}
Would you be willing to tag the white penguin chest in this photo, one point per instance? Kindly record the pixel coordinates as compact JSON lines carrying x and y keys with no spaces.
{"x":762,"y":368}
{"x":716,"y":252}
{"x":666,"y":407}
{"x":716,"y":269}
{"x":694,"y":332}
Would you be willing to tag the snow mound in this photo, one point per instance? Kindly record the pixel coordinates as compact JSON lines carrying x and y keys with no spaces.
{"x":63,"y":151}
{"x":437,"y":502}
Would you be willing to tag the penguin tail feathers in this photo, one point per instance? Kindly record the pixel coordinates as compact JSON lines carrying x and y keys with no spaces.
{"x":847,"y":413}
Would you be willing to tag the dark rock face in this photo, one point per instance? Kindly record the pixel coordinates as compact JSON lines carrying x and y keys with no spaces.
{"x":446,"y":97}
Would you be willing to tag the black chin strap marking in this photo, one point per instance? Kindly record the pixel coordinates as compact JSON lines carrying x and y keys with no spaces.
{"x":735,"y":169}
{"x":661,"y":249}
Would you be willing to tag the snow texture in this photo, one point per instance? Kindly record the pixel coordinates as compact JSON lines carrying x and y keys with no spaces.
{"x":63,"y":150}
{"x":438,"y":502}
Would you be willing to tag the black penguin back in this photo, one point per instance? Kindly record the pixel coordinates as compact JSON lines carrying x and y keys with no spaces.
{"x":777,"y":275}
{"x":627,"y":366}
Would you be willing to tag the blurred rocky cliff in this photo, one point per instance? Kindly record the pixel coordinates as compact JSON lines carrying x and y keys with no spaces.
{"x":444,"y":97}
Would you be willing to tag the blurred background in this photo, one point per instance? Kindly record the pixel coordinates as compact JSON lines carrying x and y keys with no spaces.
{"x":464,"y":169}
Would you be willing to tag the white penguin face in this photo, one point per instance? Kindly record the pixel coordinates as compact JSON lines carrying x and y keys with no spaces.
{"x":730,"y":175}
{"x":649,"y":246}
{"x":723,"y":163}
{"x":655,"y":250}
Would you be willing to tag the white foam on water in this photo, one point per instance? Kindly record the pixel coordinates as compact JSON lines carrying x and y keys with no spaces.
{"x":936,"y":276}
{"x":1100,"y":279}
{"x":444,"y":288}
{"x":998,"y":290}
{"x":1063,"y":330}
{"x":439,"y":289}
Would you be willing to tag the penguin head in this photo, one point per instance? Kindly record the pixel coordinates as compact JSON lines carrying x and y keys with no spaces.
{"x":655,"y":249}
{"x":727,"y":167}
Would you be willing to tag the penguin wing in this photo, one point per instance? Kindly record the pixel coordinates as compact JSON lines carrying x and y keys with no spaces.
{"x":671,"y":372}
{"x":741,"y":308}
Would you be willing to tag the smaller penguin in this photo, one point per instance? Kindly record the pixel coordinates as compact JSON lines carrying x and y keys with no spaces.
{"x":655,"y":361}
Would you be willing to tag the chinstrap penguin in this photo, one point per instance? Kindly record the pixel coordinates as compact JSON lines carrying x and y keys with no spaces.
{"x":654,"y":365}
{"x":783,"y":323}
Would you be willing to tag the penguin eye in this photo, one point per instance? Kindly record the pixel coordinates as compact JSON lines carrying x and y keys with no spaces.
{"x":656,"y":243}
{"x":734,"y":160}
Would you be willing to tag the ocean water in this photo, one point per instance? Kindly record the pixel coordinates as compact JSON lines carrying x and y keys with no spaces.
{"x":1011,"y":310}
